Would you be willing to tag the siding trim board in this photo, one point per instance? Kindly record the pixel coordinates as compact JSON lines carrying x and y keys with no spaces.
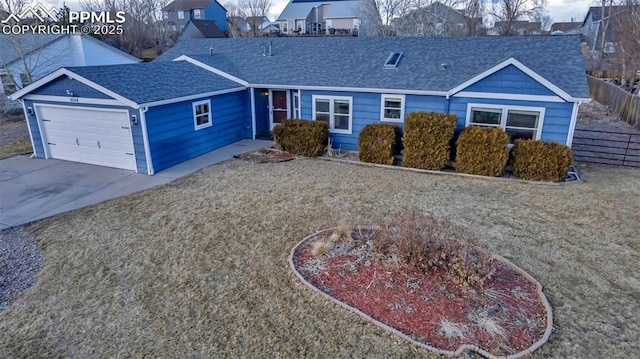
{"x":24,"y":108}
{"x":145,"y":138}
{"x":505,"y":96}
{"x":572,"y":125}
{"x":80,"y":100}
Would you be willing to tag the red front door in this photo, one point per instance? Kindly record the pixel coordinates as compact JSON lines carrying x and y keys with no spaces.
{"x":279,"y":109}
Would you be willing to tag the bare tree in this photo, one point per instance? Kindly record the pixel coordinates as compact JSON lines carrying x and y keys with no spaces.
{"x":13,"y":6}
{"x":141,"y":28}
{"x":254,"y":11}
{"x":473,"y":11}
{"x":378,"y":16}
{"x":234,"y":19}
{"x":627,"y":35}
{"x":508,"y":12}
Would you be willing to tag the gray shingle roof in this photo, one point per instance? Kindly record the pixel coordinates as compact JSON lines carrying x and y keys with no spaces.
{"x":357,"y":62}
{"x":156,"y":81}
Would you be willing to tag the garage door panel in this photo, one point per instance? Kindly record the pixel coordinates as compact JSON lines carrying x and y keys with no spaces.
{"x":88,"y":135}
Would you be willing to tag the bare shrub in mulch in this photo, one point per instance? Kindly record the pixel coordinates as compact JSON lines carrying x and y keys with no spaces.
{"x":266,"y":155}
{"x":428,"y":281}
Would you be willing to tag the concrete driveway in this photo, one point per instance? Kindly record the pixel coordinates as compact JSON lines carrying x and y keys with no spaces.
{"x":32,"y":189}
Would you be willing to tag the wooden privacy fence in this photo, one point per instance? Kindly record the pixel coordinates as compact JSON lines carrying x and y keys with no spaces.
{"x":624,"y":103}
{"x":607,"y":147}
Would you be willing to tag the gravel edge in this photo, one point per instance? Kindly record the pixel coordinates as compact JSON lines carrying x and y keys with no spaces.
{"x":20,"y":260}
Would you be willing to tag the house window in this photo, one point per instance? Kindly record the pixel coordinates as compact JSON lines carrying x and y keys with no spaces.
{"x":197,"y":14}
{"x":609,"y":47}
{"x":165,"y":15}
{"x":180,"y":15}
{"x":8,"y":83}
{"x":334,"y":110}
{"x":518,"y":122}
{"x":202,"y":114}
{"x":392,"y":108}
{"x":284,"y":26}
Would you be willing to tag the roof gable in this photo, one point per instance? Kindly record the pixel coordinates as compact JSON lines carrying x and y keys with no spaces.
{"x":207,"y":28}
{"x":510,"y":79}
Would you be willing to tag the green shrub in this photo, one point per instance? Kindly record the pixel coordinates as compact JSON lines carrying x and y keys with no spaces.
{"x":426,"y":139}
{"x":302,"y":137}
{"x":482,"y":151}
{"x":377,"y":143}
{"x":541,"y":161}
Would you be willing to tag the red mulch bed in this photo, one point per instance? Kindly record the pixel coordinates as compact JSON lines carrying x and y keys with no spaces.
{"x":267,"y":155}
{"x":418,"y":304}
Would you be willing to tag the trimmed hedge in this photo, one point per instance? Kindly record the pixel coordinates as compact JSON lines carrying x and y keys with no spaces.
{"x":482,"y":151}
{"x":302,"y":137}
{"x":541,"y":161}
{"x":377,"y":143}
{"x":426,"y":139}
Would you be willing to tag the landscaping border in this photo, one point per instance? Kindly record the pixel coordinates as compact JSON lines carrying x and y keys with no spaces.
{"x":449,"y":353}
{"x":360,"y":163}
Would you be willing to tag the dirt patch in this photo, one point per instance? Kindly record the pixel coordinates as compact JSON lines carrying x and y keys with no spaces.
{"x":14,"y":137}
{"x":503,"y":317}
{"x":266,"y":155}
{"x":596,"y":116}
{"x":198,"y":267}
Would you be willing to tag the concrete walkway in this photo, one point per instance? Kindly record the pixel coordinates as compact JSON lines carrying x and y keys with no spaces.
{"x":32,"y":189}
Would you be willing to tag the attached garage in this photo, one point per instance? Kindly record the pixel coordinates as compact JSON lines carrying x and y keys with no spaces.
{"x":140,"y":117}
{"x":96,"y":136}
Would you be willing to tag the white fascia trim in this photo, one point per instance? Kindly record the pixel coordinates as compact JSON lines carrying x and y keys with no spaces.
{"x":212,"y":69}
{"x":352,"y":89}
{"x":508,"y":96}
{"x":580,"y":99}
{"x":145,"y":140}
{"x":26,"y":115}
{"x":61,"y":72}
{"x":192,"y":97}
{"x":572,"y":124}
{"x":511,"y":61}
{"x":76,"y":100}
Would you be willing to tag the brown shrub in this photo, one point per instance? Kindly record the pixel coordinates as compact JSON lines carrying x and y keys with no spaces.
{"x":541,"y":161}
{"x":426,"y":139}
{"x":482,"y":151}
{"x":377,"y":143}
{"x":302,"y":137}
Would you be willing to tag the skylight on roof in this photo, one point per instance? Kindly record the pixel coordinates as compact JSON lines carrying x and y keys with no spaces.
{"x":392,"y":60}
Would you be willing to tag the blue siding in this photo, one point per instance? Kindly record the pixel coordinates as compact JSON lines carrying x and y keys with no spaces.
{"x":217,"y":13}
{"x":556,"y":120}
{"x":510,"y":80}
{"x":173,"y":138}
{"x":366,"y":110}
{"x":59,"y":87}
{"x":136,"y":130}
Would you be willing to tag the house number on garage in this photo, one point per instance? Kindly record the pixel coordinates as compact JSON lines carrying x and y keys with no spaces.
{"x":74,"y":99}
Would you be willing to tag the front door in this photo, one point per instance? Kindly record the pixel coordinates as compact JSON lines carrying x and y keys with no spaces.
{"x":279,"y":108}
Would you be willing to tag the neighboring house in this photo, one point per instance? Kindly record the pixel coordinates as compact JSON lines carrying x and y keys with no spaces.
{"x":567,"y":28}
{"x":237,"y":25}
{"x":256,"y":23}
{"x":26,"y":58}
{"x":271,"y":28}
{"x":217,"y":91}
{"x":197,"y":29}
{"x":178,"y":13}
{"x":519,"y":28}
{"x":437,"y":19}
{"x":301,"y":17}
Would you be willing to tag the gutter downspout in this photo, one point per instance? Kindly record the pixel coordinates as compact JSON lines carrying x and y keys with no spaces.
{"x":145,"y":139}
{"x":447,"y":98}
{"x":26,"y":117}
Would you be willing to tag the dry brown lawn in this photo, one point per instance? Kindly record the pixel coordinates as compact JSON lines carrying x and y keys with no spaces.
{"x":198,"y":268}
{"x":14,"y":137}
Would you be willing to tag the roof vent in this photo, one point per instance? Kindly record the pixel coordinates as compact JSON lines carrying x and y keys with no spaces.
{"x":393,"y":60}
{"x":444,"y":66}
{"x":211,"y":51}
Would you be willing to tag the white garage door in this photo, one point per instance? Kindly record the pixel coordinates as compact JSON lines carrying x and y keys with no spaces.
{"x":96,"y":136}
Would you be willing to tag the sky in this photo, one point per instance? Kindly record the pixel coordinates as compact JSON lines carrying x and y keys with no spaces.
{"x":560,"y":10}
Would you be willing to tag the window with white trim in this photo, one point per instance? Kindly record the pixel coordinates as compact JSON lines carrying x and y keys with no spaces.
{"x":197,"y":14}
{"x":180,"y":15}
{"x":517,"y":121}
{"x":334,"y":110}
{"x":202,"y":114}
{"x":392,"y":108}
